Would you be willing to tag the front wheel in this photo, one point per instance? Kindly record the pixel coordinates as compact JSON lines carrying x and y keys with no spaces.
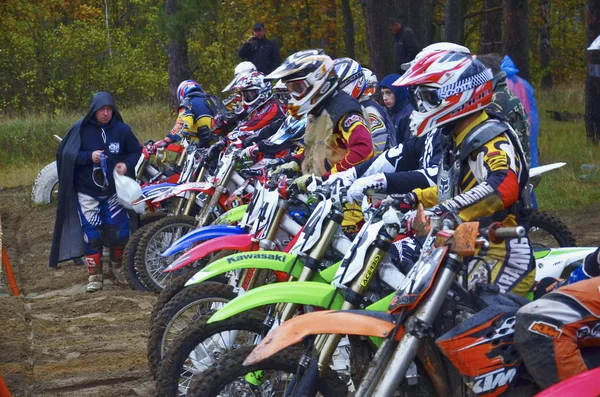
{"x":228,"y":376}
{"x":548,"y":231}
{"x":45,"y":187}
{"x":185,"y":308}
{"x":156,"y":239}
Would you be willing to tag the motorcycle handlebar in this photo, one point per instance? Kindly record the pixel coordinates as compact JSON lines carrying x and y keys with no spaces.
{"x":509,"y":232}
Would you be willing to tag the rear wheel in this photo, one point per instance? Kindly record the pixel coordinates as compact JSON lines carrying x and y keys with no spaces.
{"x":156,"y":239}
{"x":227,"y":377}
{"x":548,"y":231}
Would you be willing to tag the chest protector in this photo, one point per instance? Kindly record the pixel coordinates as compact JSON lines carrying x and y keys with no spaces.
{"x":321,"y":150}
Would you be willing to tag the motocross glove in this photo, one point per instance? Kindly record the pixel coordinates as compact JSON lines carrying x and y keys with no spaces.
{"x":160,"y":144}
{"x":376,"y":183}
{"x":250,"y":152}
{"x":288,"y":168}
{"x":302,"y":182}
{"x":347,"y":177}
{"x":407,"y":201}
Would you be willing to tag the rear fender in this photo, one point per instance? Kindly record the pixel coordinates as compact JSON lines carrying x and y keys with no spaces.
{"x":552,"y":262}
{"x":299,"y":292}
{"x":344,"y":322}
{"x":234,"y":242}
{"x":205,"y":187}
{"x":270,"y":260}
{"x":204,"y":233}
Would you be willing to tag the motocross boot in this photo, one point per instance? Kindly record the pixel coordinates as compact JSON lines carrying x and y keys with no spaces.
{"x":94,"y":272}
{"x":116,"y":266}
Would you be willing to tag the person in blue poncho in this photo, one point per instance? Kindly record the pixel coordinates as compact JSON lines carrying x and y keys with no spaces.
{"x":397,"y":102}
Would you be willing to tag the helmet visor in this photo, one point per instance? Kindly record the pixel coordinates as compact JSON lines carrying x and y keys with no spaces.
{"x":428,"y":97}
{"x":297,"y":89}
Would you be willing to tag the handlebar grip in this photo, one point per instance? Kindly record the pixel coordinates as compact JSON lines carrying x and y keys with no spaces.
{"x":510,"y":232}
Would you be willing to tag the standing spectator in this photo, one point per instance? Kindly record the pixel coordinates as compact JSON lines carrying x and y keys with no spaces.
{"x":406,"y":45}
{"x":88,"y":205}
{"x":397,"y":102}
{"x":263,"y":53}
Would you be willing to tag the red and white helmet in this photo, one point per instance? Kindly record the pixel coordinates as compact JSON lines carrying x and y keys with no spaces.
{"x":351,"y":76}
{"x":449,"y":85}
{"x":371,"y":83}
{"x":309,"y":76}
{"x":254,"y":89}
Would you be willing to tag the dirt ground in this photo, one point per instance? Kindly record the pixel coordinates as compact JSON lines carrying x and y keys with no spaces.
{"x":57,"y":340}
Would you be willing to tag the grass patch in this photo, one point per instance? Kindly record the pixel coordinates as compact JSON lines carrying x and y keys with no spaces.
{"x":566,"y":188}
{"x":27,"y":146}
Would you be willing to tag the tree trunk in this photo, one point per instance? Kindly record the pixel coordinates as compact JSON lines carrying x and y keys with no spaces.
{"x":516,"y":34}
{"x":348,"y":28}
{"x":491,"y":28}
{"x":592,"y":83}
{"x":420,"y":19}
{"x":453,"y":24}
{"x":545,"y":48}
{"x":378,"y":19}
{"x":328,"y":41}
{"x":177,"y":53}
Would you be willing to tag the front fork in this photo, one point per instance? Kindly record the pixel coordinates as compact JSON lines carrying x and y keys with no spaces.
{"x":384,"y":377}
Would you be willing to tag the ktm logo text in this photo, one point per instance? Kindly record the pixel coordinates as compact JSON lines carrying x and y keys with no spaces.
{"x":545,"y":329}
{"x":493,"y":380}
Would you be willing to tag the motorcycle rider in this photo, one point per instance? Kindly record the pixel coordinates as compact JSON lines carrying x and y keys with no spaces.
{"x":483,"y":171}
{"x":337,"y":135}
{"x":264,"y":111}
{"x":196,"y":116}
{"x":551,"y":331}
{"x":353,"y":81}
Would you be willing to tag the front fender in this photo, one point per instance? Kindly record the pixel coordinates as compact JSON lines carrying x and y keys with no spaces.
{"x":204,"y":233}
{"x":270,"y":260}
{"x":235,"y":242}
{"x":234,"y":215}
{"x":372,"y":324}
{"x":299,"y":292}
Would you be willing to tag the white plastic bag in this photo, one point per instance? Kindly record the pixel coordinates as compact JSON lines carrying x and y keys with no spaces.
{"x":128,"y":190}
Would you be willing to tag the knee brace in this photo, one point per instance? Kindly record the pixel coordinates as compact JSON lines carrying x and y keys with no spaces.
{"x":92,"y":236}
{"x":118,"y":236}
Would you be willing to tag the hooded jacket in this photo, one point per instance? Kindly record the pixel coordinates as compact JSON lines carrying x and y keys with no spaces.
{"x":400,"y":112}
{"x":67,"y":239}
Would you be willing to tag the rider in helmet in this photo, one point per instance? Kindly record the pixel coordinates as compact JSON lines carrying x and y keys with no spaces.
{"x":483,"y":170}
{"x":262,"y":109}
{"x":337,"y":135}
{"x":282,"y":94}
{"x":195,"y":118}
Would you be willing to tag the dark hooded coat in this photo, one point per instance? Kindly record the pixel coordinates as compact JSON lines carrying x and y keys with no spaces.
{"x":67,"y":239}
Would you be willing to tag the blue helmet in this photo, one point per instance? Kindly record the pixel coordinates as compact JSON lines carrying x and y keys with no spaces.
{"x":186,"y":87}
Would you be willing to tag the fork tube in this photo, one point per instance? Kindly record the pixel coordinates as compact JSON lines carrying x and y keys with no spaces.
{"x":359,"y":286}
{"x":267,"y":242}
{"x":192,"y":199}
{"x":316,"y":254}
{"x":219,"y":189}
{"x":379,"y":362}
{"x":408,"y":346}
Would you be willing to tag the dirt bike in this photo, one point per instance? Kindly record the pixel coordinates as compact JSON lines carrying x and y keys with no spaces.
{"x":473,"y":329}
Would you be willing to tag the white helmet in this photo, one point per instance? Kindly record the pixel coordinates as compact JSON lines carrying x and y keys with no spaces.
{"x":254,"y":89}
{"x":242,"y":67}
{"x":309,"y":76}
{"x":351,"y":76}
{"x":371,"y":83}
{"x":435,"y":47}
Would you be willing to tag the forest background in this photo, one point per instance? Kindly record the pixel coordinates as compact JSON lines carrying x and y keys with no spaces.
{"x":54,"y":54}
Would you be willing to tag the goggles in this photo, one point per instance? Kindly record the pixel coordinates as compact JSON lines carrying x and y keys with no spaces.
{"x":428,"y":97}
{"x":99,"y":173}
{"x":249,"y":96}
{"x":298,"y":89}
